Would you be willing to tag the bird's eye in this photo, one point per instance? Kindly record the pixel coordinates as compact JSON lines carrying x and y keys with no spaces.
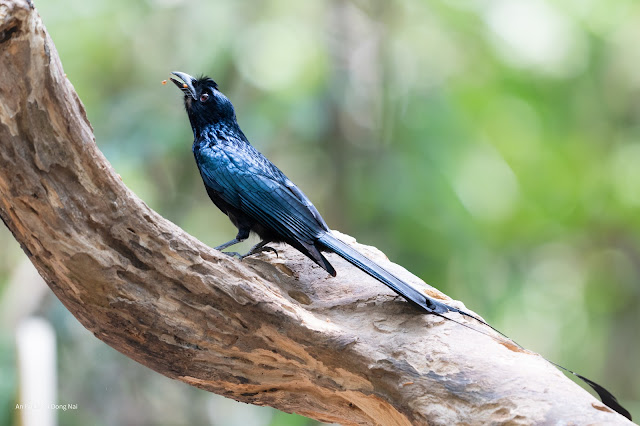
{"x":204,"y":97}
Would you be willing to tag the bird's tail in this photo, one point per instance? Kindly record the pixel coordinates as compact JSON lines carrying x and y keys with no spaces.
{"x":331,"y":243}
{"x":432,"y":306}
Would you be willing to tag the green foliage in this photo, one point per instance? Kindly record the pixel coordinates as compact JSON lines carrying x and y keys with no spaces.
{"x":492,"y":148}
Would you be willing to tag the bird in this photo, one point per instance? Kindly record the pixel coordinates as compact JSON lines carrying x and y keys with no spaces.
{"x":259,"y":198}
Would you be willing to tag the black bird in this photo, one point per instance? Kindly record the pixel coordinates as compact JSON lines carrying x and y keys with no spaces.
{"x":258,"y":197}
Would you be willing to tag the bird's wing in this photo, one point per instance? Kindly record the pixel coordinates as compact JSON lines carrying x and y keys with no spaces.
{"x":263,"y":193}
{"x":304,"y":200}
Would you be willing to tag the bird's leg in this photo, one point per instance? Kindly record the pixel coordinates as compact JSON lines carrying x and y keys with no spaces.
{"x":243,"y":234}
{"x":229,"y":244}
{"x":258,"y":248}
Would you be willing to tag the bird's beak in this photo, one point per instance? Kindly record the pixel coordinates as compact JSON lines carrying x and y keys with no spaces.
{"x":186,"y":85}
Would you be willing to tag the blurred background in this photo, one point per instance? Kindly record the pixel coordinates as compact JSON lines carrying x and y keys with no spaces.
{"x":491,"y":147}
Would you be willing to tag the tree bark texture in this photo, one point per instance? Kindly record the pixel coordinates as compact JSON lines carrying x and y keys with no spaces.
{"x":271,"y":330}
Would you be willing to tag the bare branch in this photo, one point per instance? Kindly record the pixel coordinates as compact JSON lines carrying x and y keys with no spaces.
{"x":268,"y":331}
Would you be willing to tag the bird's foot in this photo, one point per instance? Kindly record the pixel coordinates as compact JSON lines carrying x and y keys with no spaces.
{"x":251,"y":252}
{"x":257,"y":250}
{"x":261,"y":250}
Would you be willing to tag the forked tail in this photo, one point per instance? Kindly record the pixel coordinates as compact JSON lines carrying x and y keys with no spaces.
{"x":432,"y":306}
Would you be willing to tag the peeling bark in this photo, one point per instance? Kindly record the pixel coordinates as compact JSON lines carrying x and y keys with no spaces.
{"x":267,"y":331}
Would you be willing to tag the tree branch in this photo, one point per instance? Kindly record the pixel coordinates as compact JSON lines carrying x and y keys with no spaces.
{"x":268,"y":331}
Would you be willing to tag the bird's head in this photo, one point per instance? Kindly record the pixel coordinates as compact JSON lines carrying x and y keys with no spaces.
{"x":204,"y":103}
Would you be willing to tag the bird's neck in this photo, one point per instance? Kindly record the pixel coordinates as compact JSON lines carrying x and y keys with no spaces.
{"x":217,"y":131}
{"x":222,"y":132}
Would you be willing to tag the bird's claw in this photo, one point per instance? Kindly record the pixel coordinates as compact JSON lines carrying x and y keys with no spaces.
{"x":258,"y":250}
{"x":267,"y":248}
